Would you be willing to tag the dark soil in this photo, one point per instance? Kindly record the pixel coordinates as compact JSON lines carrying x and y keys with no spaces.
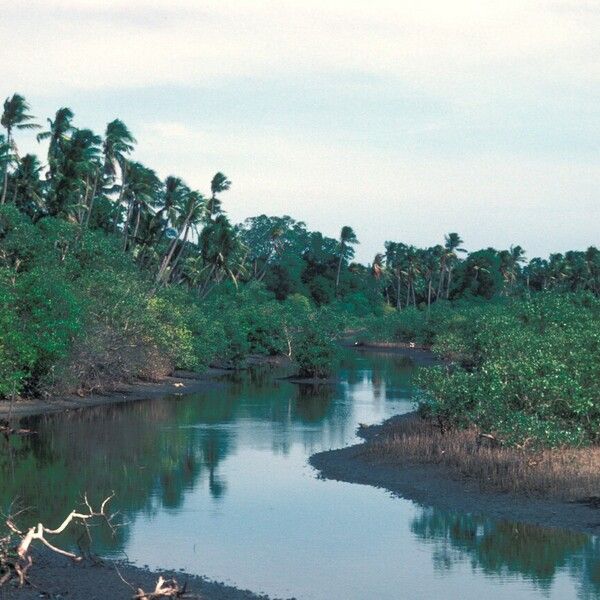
{"x":58,"y":578}
{"x":434,"y":485}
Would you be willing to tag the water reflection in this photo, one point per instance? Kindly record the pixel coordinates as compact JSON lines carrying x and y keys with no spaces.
{"x":506,"y":548}
{"x":214,"y":465}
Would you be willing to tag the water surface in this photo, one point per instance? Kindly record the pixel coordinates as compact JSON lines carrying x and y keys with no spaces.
{"x":217,"y":483}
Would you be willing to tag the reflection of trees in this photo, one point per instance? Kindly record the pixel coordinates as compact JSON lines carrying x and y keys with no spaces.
{"x":502,"y":547}
{"x":313,"y":402}
{"x":142,"y":451}
{"x":152,"y":453}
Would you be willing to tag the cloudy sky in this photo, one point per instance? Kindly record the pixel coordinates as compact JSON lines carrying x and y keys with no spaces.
{"x":403,"y":119}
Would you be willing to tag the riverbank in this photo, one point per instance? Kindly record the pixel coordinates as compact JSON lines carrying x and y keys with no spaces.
{"x":57,"y":577}
{"x":378,"y":463}
{"x":126,"y":392}
{"x":180,"y":382}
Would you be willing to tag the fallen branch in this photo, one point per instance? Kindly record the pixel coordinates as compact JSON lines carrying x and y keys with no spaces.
{"x":15,"y":561}
{"x":165,"y":588}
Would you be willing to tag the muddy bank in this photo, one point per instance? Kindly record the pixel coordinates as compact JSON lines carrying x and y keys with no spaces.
{"x":181,"y":382}
{"x":56,"y":577}
{"x":143,"y":390}
{"x":435,"y":485}
{"x":392,"y":346}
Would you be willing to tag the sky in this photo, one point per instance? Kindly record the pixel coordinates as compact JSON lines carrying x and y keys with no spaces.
{"x":406,"y":120}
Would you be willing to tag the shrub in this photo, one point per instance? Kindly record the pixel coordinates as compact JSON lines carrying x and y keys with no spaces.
{"x":527,"y":370}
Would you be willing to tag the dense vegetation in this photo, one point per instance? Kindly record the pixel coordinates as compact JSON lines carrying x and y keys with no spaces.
{"x":109,"y":273}
{"x":526,"y":370}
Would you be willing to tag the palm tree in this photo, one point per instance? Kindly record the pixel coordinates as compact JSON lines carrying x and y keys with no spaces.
{"x":218,"y":245}
{"x":174,"y":196}
{"x":59,"y":131}
{"x":6,"y":156}
{"x":452,"y":246}
{"x":77,"y":163}
{"x":191,"y":212}
{"x":14,"y":116}
{"x":412,"y":269}
{"x":510,"y":261}
{"x":430,"y":259}
{"x":118,"y":143}
{"x":395,"y":253}
{"x":197,"y":205}
{"x":142,"y":191}
{"x":346,"y":252}
{"x":28,"y":192}
{"x":219,"y":184}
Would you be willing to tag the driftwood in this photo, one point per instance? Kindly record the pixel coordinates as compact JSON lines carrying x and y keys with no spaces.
{"x":15,"y":561}
{"x":165,"y":588}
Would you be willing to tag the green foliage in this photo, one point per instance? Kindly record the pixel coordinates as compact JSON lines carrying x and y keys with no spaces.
{"x":108,"y":273}
{"x":527,"y":370}
{"x":315,"y":348}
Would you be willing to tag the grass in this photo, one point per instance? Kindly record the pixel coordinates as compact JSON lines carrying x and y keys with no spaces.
{"x":571,"y":474}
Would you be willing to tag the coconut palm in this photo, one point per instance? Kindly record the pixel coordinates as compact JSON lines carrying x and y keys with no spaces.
{"x":394,"y":260}
{"x":118,"y":144}
{"x":77,"y":163}
{"x":191,"y":213}
{"x":143,"y":189}
{"x":346,"y":252}
{"x":28,"y":187}
{"x":219,"y":184}
{"x":218,"y":244}
{"x":6,"y":155}
{"x":14,"y":116}
{"x":58,"y":132}
{"x":453,"y":243}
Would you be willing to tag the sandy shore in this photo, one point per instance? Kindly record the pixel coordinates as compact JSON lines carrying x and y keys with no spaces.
{"x":56,"y":577}
{"x":432,"y":485}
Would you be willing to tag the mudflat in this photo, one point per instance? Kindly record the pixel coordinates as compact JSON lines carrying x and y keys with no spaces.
{"x":435,"y":485}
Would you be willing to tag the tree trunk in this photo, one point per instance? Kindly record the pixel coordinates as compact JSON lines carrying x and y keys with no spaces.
{"x":126,"y":226}
{"x":5,"y":183}
{"x":137,"y":223}
{"x":429,"y":297}
{"x":16,"y":184}
{"x":440,"y":283}
{"x":448,"y":286}
{"x":183,"y":241}
{"x":398,"y":302}
{"x":120,"y":199}
{"x":167,"y":259}
{"x":91,"y":204}
{"x":339,"y":269}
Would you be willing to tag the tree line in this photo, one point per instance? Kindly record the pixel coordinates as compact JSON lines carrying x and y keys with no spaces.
{"x":183,"y":236}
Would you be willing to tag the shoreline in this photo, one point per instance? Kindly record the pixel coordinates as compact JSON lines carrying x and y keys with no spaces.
{"x":434,"y":485}
{"x":187,"y":382}
{"x":178,"y":383}
{"x":59,"y":577}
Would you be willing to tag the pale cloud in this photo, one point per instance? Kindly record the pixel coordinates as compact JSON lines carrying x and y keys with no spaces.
{"x":499,"y":200}
{"x":98,"y":44}
{"x":403,"y":119}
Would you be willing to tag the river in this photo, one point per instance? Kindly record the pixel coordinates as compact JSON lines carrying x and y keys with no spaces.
{"x":217,"y":484}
